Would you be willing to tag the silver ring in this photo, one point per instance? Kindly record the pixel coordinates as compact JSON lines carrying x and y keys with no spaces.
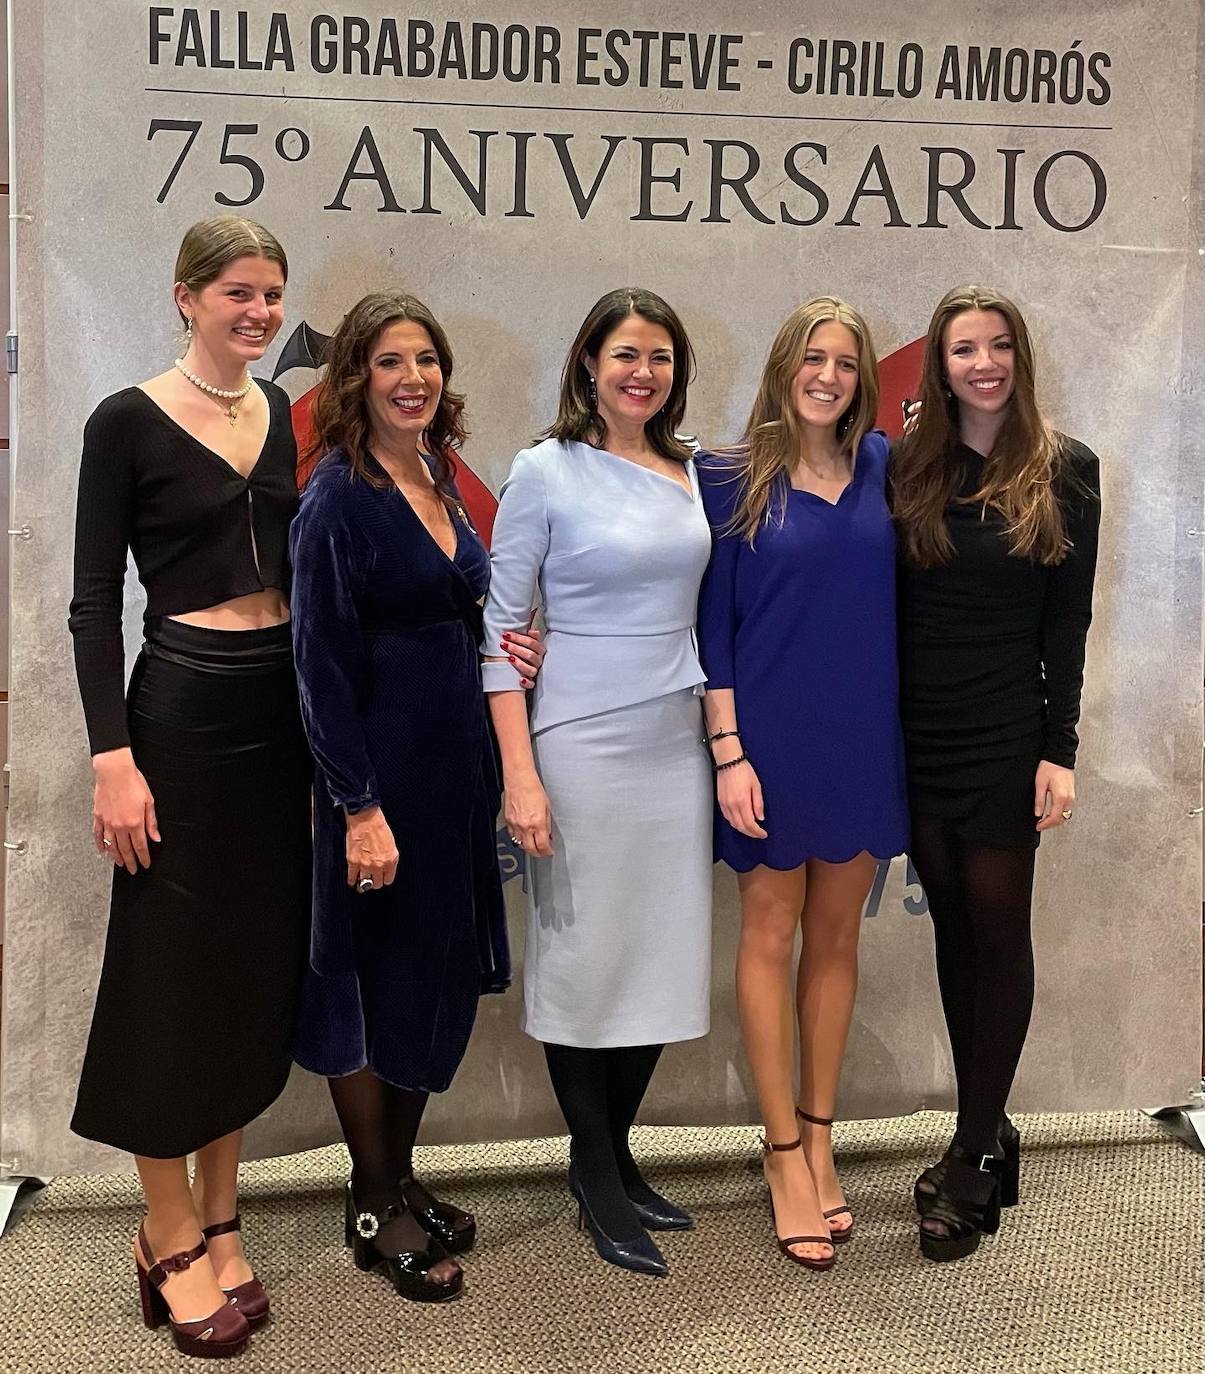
{"x":514,"y":839}
{"x":108,"y":842}
{"x":365,"y":885}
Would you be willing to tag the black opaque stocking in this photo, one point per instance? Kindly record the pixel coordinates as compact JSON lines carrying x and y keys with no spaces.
{"x":380,"y":1123}
{"x":980,"y":900}
{"x":579,"y":1079}
{"x":629,"y":1072}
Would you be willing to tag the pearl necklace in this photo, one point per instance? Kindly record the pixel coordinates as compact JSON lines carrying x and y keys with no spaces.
{"x":217,"y":392}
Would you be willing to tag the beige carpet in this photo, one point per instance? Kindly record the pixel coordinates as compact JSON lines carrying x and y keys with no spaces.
{"x":1099,"y":1269}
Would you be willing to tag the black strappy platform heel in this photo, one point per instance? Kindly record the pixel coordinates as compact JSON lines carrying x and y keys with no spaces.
{"x":965,"y":1209}
{"x":929,"y":1181}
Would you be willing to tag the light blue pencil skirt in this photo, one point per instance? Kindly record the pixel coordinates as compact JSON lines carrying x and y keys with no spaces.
{"x":619,"y":920}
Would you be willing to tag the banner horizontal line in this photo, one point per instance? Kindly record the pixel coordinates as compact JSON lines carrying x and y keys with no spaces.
{"x":619,"y":110}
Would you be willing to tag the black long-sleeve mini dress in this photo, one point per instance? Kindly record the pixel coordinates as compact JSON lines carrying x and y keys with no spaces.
{"x":992,"y":659}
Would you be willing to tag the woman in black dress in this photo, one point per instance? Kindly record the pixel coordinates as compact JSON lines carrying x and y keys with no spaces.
{"x":202,"y":777}
{"x":388,"y":577}
{"x":998,"y":517}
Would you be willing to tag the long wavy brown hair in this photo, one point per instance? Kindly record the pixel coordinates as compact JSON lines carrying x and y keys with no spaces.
{"x":577,"y":418}
{"x":770,"y":446}
{"x":1020,"y":473}
{"x":340,"y":411}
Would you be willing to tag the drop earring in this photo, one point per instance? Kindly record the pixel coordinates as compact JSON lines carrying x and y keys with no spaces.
{"x":188,"y":331}
{"x":593,"y":393}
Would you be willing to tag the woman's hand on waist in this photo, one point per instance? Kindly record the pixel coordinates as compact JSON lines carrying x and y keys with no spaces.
{"x":371,"y":851}
{"x":123,"y":810}
{"x":524,"y":650}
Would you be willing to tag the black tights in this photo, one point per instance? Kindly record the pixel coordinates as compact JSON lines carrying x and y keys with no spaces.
{"x":979,"y":899}
{"x":380,"y":1124}
{"x":600,"y":1092}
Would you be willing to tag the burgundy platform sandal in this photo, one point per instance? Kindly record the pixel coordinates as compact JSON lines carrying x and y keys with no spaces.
{"x":250,"y":1298}
{"x":220,"y":1336}
{"x":841,"y":1234}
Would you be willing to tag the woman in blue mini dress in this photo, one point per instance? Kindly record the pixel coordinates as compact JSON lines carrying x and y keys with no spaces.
{"x":797,"y":637}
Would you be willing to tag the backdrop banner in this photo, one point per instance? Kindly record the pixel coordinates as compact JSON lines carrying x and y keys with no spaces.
{"x":509,"y":162}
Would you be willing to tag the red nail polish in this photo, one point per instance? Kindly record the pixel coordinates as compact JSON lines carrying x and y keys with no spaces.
{"x":512,"y":658}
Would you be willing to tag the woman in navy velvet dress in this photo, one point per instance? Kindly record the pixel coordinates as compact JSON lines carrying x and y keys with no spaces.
{"x":388,"y":576}
{"x":797,"y":636}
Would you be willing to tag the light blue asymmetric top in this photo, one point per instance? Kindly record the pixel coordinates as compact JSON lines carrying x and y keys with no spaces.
{"x":618,"y":947}
{"x":617,"y":553}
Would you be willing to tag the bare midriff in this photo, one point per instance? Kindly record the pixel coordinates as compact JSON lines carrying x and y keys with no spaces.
{"x":255,"y":611}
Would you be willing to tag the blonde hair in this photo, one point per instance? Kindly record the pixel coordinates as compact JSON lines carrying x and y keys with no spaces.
{"x":211,"y":245}
{"x":1020,"y":473}
{"x":770,"y":445}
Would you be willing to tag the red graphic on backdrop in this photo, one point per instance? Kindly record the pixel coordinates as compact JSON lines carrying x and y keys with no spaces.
{"x":304,"y":349}
{"x":899,"y":377}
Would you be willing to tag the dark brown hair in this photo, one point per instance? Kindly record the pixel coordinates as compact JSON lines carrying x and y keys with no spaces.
{"x":577,"y":418}
{"x":770,"y":445}
{"x":340,"y":412}
{"x":1019,"y":475}
{"x":211,"y":245}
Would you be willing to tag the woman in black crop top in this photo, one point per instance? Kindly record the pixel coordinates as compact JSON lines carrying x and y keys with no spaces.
{"x":202,"y":776}
{"x":998,"y":518}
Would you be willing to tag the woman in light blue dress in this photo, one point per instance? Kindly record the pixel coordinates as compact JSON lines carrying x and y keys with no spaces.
{"x":609,"y":791}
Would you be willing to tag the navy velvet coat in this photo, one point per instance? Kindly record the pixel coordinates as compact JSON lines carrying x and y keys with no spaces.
{"x":385,"y":630}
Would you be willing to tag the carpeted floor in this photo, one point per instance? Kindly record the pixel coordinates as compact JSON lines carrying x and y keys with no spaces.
{"x":1098,"y":1270}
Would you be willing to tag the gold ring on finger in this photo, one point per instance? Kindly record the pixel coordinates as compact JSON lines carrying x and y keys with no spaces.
{"x":1067,"y":815}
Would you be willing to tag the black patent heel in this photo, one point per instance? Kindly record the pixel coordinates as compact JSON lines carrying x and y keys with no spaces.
{"x":409,"y":1270}
{"x":454,"y":1228}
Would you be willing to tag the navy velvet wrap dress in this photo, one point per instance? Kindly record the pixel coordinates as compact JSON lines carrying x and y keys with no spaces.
{"x":385,"y":630}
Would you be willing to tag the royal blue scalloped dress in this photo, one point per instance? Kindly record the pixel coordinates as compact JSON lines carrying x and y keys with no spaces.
{"x":802,"y":627}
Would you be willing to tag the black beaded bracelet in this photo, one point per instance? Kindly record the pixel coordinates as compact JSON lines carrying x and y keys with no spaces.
{"x":740,"y":758}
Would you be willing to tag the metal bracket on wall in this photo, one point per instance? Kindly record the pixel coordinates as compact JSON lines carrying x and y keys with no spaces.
{"x":25,"y":532}
{"x":1186,"y":1121}
{"x":16,"y":1195}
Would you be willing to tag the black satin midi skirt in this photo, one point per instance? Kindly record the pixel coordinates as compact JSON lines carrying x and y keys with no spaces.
{"x":192,"y":1033}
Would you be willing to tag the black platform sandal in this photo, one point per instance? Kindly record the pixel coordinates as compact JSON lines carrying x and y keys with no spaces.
{"x":409,"y":1270}
{"x":929,"y":1181}
{"x":453,"y":1227}
{"x":964,"y":1209}
{"x":840,"y":1236}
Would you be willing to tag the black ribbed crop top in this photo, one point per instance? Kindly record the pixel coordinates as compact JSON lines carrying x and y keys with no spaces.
{"x":200,"y":533}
